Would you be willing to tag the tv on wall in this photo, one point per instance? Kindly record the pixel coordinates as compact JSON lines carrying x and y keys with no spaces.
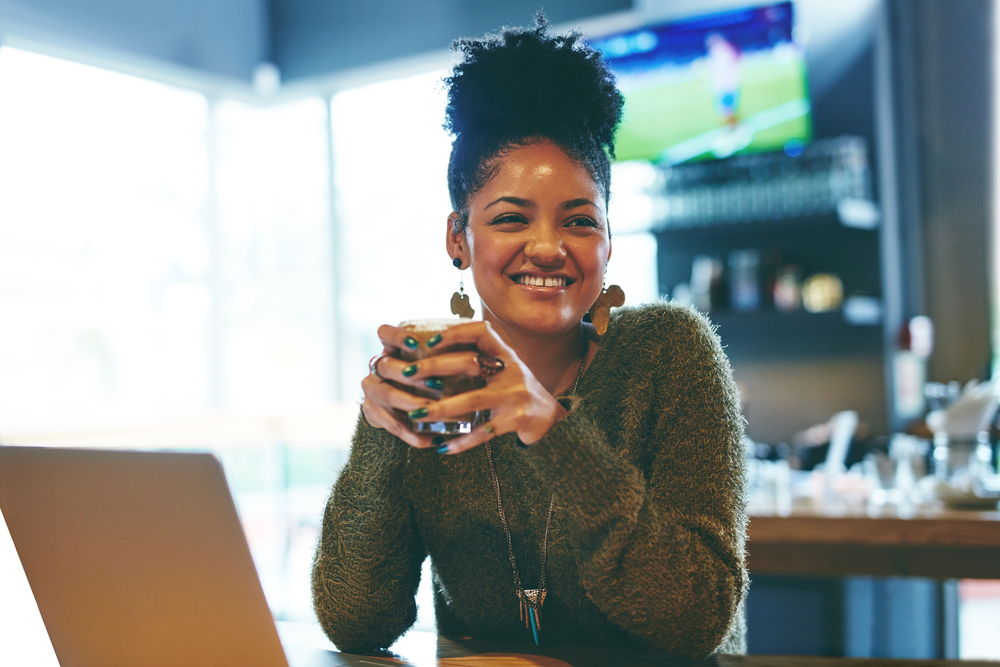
{"x":711,"y":86}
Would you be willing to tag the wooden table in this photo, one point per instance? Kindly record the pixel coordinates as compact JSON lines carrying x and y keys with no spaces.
{"x":929,"y":543}
{"x":423,"y":649}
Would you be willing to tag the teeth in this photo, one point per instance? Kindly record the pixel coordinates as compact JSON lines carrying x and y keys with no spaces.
{"x":536,"y":281}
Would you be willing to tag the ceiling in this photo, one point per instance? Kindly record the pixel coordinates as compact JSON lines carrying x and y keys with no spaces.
{"x":222,"y":43}
{"x":306,"y":39}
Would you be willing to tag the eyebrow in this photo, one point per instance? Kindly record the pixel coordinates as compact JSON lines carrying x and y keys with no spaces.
{"x":577,"y":203}
{"x":527,"y":203}
{"x":516,"y":201}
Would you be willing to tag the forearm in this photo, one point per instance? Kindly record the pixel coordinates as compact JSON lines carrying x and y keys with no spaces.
{"x":367,"y":565}
{"x":665,"y":570}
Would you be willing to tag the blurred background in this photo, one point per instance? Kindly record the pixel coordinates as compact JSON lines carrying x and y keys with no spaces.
{"x":207,"y":208}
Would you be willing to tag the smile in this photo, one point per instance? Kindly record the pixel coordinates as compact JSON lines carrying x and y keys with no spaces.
{"x":538,"y":281}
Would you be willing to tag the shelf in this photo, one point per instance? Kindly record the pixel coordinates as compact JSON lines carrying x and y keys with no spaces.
{"x":771,"y":334}
{"x":826,"y":222}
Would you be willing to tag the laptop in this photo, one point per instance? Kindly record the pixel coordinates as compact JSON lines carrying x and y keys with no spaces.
{"x":139,"y":558}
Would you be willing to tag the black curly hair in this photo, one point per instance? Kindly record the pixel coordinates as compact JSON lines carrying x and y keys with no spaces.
{"x":520,"y":87}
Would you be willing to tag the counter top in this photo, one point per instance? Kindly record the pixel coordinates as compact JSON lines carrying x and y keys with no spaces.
{"x":425,"y":649}
{"x":928,"y":542}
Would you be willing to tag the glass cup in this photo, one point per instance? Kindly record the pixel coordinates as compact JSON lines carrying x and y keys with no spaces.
{"x":423,"y":331}
{"x":962,"y":463}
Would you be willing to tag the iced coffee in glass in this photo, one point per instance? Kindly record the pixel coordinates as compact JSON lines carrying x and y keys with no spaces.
{"x":423,"y":331}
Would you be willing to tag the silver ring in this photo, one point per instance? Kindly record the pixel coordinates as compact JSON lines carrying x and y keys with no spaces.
{"x":373,"y":366}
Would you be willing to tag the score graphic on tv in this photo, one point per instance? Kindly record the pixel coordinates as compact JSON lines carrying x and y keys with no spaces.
{"x":711,"y":86}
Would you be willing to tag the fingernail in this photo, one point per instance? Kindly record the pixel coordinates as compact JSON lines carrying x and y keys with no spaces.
{"x":435,"y":383}
{"x":409,"y":370}
{"x":418,"y":413}
{"x":411,"y":342}
{"x":434,"y":340}
{"x":443,"y":449}
{"x":437,"y":440}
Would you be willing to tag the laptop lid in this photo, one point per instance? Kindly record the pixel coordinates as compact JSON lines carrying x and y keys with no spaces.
{"x":136,"y":558}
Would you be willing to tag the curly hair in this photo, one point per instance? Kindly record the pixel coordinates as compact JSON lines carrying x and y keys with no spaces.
{"x":520,"y":87}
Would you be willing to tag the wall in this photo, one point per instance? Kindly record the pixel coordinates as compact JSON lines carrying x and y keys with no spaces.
{"x":955,"y":69}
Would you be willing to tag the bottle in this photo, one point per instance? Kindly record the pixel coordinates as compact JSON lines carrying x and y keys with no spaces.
{"x":744,"y":280}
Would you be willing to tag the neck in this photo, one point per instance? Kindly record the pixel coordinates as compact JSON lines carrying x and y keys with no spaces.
{"x":554,"y":359}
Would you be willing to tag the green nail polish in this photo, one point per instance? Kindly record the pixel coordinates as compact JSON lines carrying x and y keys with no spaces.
{"x":443,"y":449}
{"x":411,"y":342}
{"x":435,"y":383}
{"x":434,"y":340}
{"x":437,"y":440}
{"x":409,"y":370}
{"x":418,"y":413}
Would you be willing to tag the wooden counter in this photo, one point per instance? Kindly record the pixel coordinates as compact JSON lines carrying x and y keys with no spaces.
{"x":424,"y":649}
{"x":931,"y":543}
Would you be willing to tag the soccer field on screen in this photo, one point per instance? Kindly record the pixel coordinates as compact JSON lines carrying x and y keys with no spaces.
{"x":773,"y":109}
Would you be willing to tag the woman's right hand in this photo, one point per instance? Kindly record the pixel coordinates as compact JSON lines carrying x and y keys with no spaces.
{"x":385,"y":405}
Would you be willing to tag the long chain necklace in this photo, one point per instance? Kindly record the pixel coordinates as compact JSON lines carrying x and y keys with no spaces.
{"x":531,"y":600}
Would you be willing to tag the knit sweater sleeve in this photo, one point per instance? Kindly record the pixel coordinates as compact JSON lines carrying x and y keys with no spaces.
{"x":367,"y":565}
{"x":655,"y":500}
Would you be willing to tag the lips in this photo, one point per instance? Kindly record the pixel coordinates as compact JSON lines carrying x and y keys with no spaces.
{"x":541,"y":281}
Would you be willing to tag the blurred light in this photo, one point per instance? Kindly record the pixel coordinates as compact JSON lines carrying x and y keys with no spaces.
{"x":266,"y":80}
{"x":794,"y":147}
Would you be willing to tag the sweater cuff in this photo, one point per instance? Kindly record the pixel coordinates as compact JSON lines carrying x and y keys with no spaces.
{"x":564,"y":401}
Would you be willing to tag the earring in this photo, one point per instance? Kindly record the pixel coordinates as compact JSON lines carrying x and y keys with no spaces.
{"x":460,"y":300}
{"x":600,"y":312}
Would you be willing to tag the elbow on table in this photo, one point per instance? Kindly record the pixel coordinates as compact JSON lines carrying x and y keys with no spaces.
{"x":353,"y":621}
{"x":707,"y":618}
{"x":351,"y":634}
{"x":702,"y":632}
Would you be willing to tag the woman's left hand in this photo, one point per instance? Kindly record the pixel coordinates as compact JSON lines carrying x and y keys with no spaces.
{"x":517,"y":401}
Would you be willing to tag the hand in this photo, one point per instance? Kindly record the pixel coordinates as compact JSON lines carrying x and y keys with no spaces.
{"x":386,"y":405}
{"x":517,"y":401}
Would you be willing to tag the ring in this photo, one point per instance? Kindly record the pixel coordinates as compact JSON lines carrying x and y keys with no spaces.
{"x":373,"y":366}
{"x":489,"y":365}
{"x":490,"y":430}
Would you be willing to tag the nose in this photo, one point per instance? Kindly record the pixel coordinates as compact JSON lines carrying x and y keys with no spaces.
{"x":545,"y":246}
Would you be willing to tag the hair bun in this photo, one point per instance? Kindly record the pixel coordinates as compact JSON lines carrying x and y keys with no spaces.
{"x":524,"y":82}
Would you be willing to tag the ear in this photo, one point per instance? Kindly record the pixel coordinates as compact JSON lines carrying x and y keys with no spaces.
{"x":456,"y":244}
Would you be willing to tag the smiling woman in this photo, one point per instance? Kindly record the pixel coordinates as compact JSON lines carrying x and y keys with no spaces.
{"x":604,"y":481}
{"x":537,"y":241}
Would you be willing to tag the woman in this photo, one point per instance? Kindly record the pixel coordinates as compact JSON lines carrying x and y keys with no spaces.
{"x":618,"y":508}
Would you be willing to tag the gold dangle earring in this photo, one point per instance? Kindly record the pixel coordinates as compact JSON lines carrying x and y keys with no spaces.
{"x":600,"y":312}
{"x":460,"y":300}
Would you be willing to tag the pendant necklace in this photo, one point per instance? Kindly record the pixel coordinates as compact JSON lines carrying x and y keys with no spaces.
{"x":531,"y":600}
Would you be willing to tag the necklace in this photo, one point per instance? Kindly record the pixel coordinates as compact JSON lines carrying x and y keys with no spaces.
{"x":531,"y":600}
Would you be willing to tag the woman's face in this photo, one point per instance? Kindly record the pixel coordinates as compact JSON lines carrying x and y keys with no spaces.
{"x":537,"y":241}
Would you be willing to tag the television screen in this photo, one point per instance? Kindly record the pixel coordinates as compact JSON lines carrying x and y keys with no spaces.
{"x":711,"y":86}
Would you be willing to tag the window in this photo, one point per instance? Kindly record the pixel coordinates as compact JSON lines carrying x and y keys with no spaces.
{"x":390,"y":158}
{"x":104,"y":304}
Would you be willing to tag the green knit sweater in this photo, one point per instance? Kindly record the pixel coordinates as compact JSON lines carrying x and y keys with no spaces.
{"x":647,"y":540}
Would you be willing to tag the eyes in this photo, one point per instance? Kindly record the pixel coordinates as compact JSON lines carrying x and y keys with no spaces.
{"x":512,"y":220}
